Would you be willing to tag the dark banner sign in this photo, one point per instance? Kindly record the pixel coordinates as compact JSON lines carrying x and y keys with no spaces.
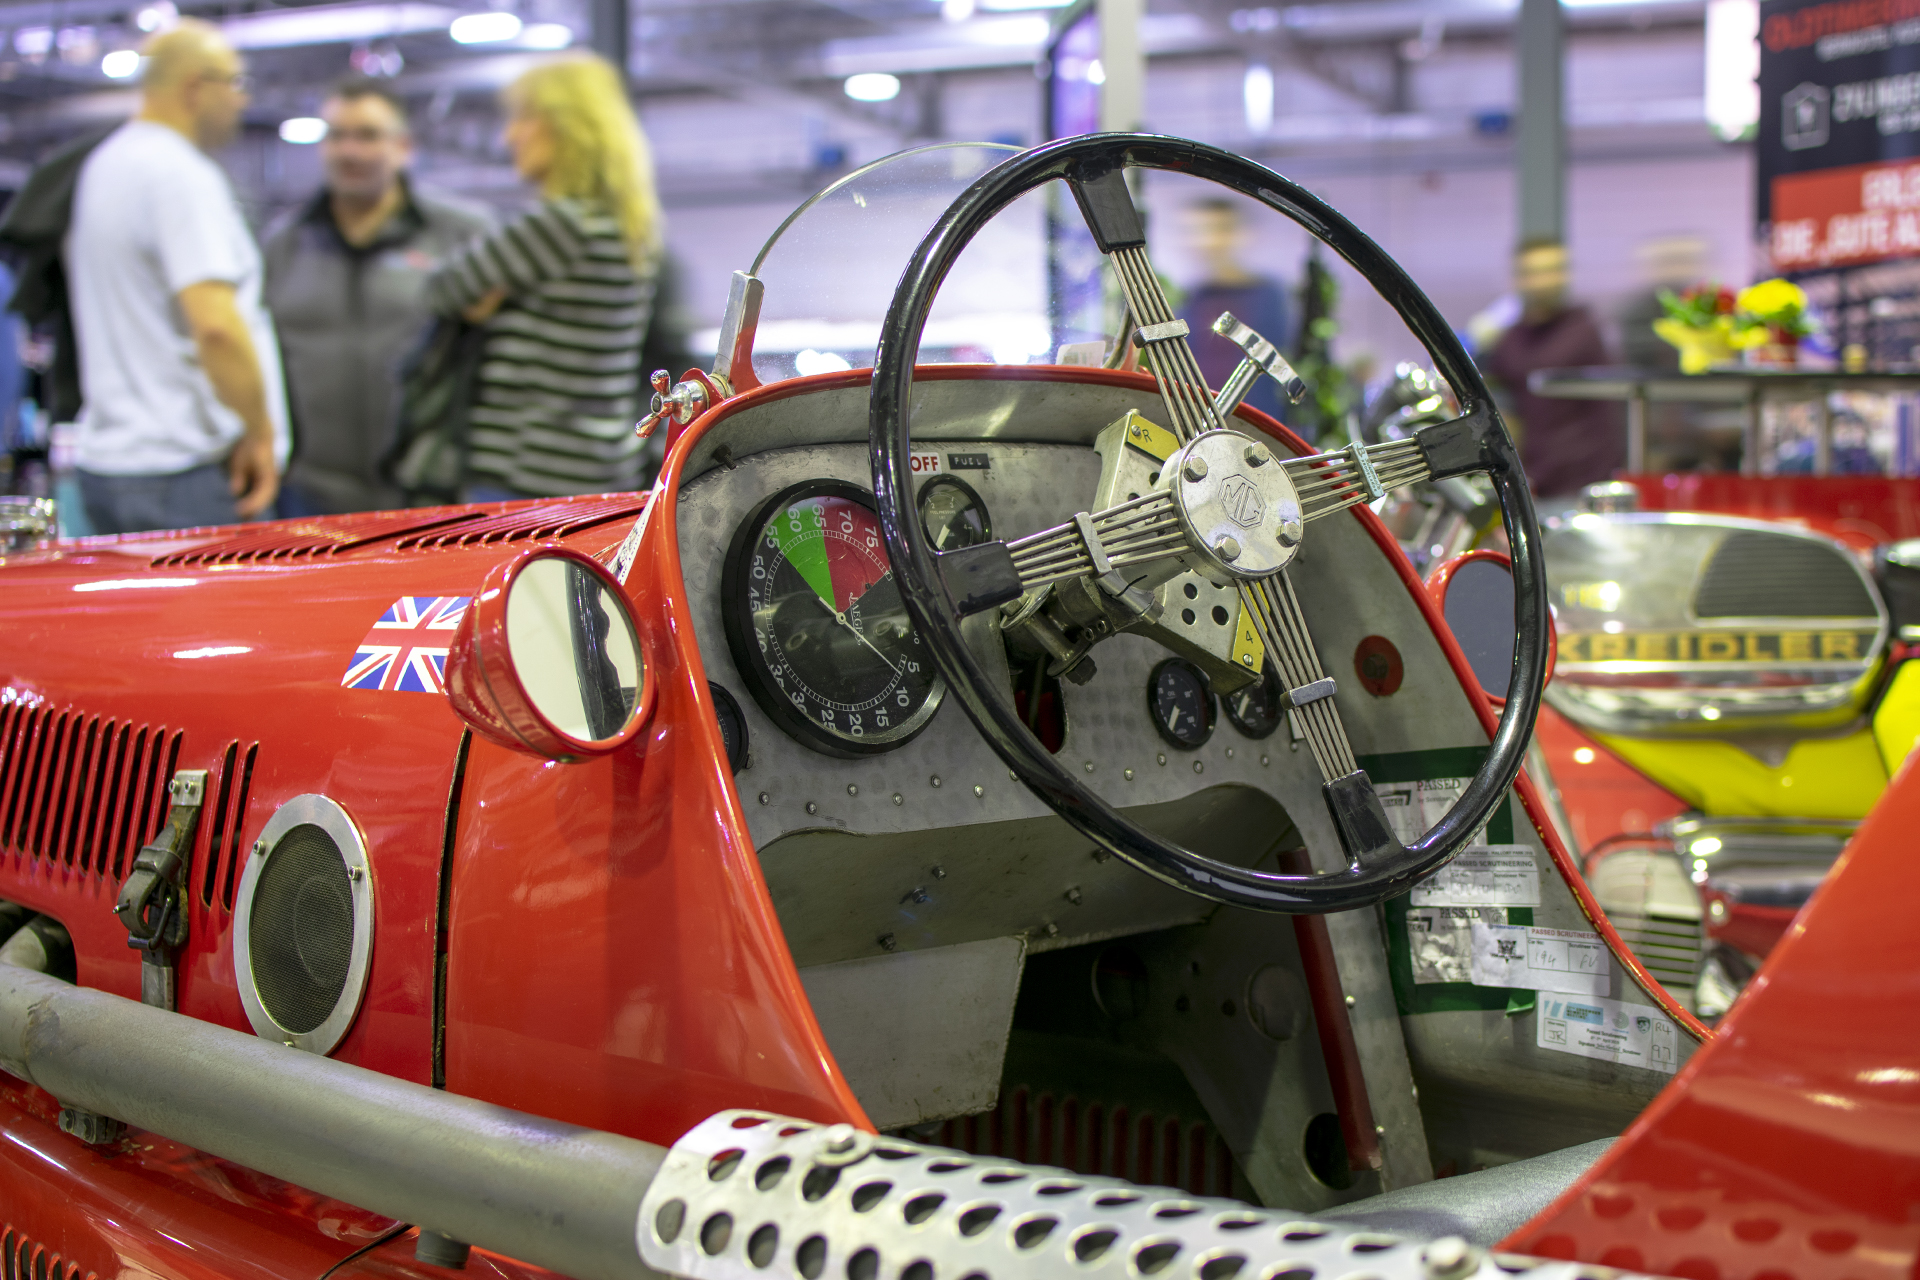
{"x":1839,"y":91}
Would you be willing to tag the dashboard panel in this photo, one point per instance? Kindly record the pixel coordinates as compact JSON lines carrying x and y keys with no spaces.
{"x":935,"y":842}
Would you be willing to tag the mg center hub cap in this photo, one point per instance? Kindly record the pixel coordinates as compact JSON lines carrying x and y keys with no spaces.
{"x":1236,"y":504}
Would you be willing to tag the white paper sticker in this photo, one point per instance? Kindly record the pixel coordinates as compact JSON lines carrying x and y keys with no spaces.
{"x":1638,"y":1035}
{"x":1413,"y":807}
{"x":1441,"y":939}
{"x":1501,"y":875}
{"x":1524,"y":955}
{"x":923,"y":464}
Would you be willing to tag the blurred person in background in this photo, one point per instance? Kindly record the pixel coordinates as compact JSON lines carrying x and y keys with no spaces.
{"x":185,"y":417}
{"x":565,"y":291}
{"x":1217,"y":233}
{"x":1565,"y":445}
{"x":347,"y":287}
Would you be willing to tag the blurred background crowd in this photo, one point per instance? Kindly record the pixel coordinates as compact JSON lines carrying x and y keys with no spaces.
{"x":258,"y":245}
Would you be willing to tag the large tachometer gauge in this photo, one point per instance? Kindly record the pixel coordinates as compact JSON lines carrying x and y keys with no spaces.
{"x":817,"y":627}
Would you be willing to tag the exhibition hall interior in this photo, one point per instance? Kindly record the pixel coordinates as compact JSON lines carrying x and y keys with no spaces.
{"x":959,"y":639}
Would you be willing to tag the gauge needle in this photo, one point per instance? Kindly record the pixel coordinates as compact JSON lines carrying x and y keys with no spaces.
{"x":841,"y":618}
{"x":1173,"y":720}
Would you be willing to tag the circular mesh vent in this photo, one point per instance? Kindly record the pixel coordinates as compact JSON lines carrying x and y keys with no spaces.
{"x":300,"y":936}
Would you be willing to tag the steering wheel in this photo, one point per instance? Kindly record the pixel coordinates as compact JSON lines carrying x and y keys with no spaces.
{"x":1224,"y":505}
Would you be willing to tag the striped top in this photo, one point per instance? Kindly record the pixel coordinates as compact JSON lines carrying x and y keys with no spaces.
{"x":557,"y":397}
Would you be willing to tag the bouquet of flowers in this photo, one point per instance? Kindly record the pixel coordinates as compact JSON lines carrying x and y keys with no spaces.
{"x":1710,"y":324}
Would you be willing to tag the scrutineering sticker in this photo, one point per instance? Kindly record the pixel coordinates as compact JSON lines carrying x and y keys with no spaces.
{"x":1636,"y":1035}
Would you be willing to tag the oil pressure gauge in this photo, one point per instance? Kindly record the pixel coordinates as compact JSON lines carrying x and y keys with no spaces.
{"x":1181,"y":703}
{"x":953,"y":515}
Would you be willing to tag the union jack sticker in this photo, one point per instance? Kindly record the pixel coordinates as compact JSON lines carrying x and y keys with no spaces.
{"x":406,"y":651}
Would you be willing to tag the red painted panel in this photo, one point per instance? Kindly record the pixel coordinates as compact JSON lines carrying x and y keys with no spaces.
{"x":1604,"y":797}
{"x":150,"y":1207}
{"x":1862,"y":511}
{"x":1789,"y":1147}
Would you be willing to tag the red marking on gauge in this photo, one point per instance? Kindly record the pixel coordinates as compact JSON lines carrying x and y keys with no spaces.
{"x":1379,"y":666}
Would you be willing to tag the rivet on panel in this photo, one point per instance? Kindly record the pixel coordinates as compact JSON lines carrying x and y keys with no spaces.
{"x":979,"y":791}
{"x":898,"y":799}
{"x":1349,"y":1002}
{"x":852,"y":790}
{"x":1129,"y":775}
{"x":934,"y":781}
{"x":1161,"y":757}
{"x":765,"y":798}
{"x":1199,"y":766}
{"x":812,"y":807}
{"x":888,"y":942}
{"x":939,"y":873}
{"x":1073,"y":895}
{"x":1089,"y":766}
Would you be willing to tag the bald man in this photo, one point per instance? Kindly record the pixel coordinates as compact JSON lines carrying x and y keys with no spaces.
{"x":185,"y":417}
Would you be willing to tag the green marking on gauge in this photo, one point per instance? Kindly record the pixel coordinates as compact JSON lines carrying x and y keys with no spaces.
{"x":808,"y":553}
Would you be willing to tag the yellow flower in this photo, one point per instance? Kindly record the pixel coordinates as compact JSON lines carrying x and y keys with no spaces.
{"x":1773,"y":300}
{"x":1702,"y":348}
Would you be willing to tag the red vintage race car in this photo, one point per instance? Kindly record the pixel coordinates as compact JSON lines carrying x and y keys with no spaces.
{"x":833,"y":863}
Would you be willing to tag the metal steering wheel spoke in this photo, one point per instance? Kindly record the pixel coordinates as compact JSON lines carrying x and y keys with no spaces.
{"x":1107,"y":205}
{"x":1275,"y":611}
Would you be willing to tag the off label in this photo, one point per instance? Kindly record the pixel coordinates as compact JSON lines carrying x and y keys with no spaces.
{"x":923,"y":464}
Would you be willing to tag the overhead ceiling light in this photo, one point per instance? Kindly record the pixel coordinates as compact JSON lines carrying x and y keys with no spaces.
{"x":332,"y":24}
{"x":33,"y":41}
{"x":484,"y":28}
{"x":303,"y":131}
{"x":121,"y":64}
{"x":956,"y":10}
{"x":1733,"y":67}
{"x":1096,"y":72}
{"x":1006,"y":6}
{"x":872,"y":86}
{"x":547,"y":35}
{"x":1256,"y":91}
{"x":157,"y":17}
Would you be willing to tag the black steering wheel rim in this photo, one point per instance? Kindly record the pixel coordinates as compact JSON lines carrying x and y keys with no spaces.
{"x":1475,"y":441}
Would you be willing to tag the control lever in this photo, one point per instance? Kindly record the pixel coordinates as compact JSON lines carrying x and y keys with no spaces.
{"x":1262,"y":357}
{"x":152,"y":904}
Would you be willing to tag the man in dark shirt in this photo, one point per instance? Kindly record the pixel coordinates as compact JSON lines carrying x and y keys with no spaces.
{"x":1565,"y":445}
{"x":346,"y":278}
{"x":1217,"y":234}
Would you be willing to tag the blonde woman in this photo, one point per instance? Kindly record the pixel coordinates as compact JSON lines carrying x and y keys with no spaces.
{"x":565,"y":291}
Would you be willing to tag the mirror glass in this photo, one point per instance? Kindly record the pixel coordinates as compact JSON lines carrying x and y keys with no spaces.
{"x":572,"y":644}
{"x":1479,"y":608}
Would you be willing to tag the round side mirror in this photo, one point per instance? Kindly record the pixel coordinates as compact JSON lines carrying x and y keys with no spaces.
{"x":548,"y":660}
{"x":1475,"y":594}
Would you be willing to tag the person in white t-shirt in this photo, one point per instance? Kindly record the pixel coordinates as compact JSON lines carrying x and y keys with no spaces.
{"x":185,"y":409}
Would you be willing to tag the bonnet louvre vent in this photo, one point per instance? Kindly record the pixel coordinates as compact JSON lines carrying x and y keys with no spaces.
{"x":22,"y":1258}
{"x":81,"y":790}
{"x":309,"y":540}
{"x":1768,"y":575}
{"x":554,"y":519}
{"x":224,"y":821}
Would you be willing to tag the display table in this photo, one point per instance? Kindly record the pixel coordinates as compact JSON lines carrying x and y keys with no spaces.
{"x":1752,"y":388}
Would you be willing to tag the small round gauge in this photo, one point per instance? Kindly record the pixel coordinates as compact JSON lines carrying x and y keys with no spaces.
{"x":1181,"y":704}
{"x":1259,"y":708}
{"x":953,"y":515}
{"x":816,"y":625}
{"x":733,"y":727}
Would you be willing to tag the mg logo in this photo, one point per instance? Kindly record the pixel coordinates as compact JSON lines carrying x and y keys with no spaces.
{"x":1242,"y":501}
